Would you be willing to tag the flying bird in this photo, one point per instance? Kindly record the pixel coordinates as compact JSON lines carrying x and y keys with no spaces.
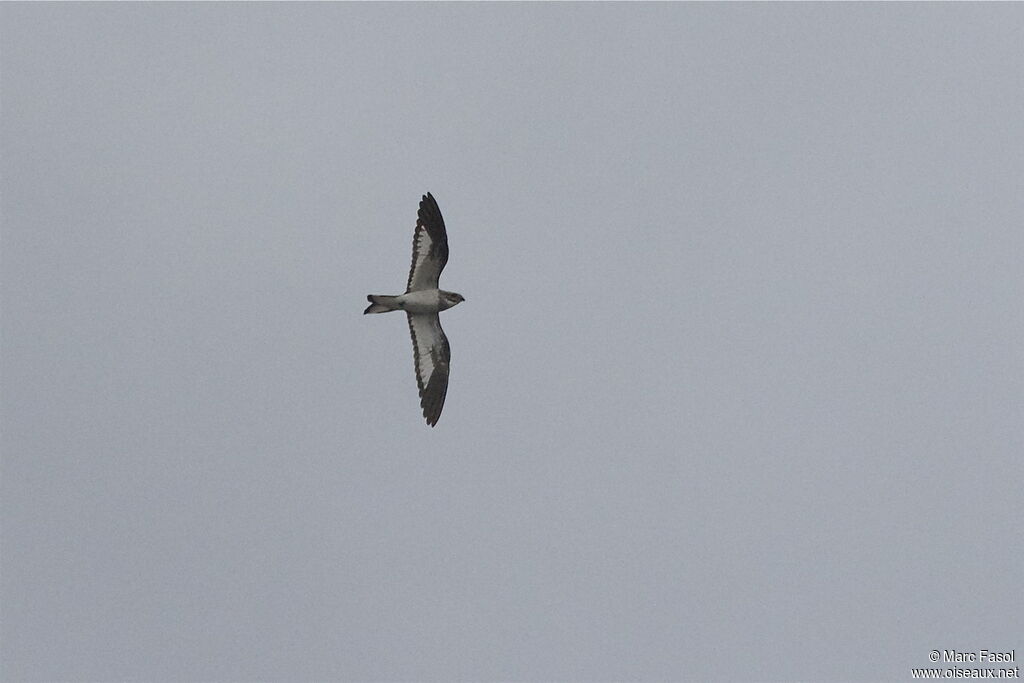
{"x":422,"y":302}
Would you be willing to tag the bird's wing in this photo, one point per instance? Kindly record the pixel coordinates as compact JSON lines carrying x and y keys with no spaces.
{"x":432,"y":353}
{"x":429,"y":247}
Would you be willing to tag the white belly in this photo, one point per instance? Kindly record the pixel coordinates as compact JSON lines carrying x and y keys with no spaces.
{"x":423,"y":301}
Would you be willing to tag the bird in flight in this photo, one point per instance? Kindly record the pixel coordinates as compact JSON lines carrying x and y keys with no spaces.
{"x":422,"y":302}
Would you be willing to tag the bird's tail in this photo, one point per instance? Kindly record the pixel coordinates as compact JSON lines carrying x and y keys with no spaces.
{"x":380,"y":303}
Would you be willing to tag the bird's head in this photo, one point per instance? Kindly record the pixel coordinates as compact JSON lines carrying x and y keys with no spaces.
{"x":451,"y":298}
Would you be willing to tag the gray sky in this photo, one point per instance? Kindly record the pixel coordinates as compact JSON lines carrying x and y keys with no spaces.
{"x":736,"y":391}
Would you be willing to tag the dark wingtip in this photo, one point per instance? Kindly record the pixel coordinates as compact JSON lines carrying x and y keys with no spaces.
{"x":432,"y":397}
{"x":431,"y":418}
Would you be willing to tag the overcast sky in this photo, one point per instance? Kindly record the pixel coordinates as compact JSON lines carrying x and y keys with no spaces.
{"x":737,"y":391}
